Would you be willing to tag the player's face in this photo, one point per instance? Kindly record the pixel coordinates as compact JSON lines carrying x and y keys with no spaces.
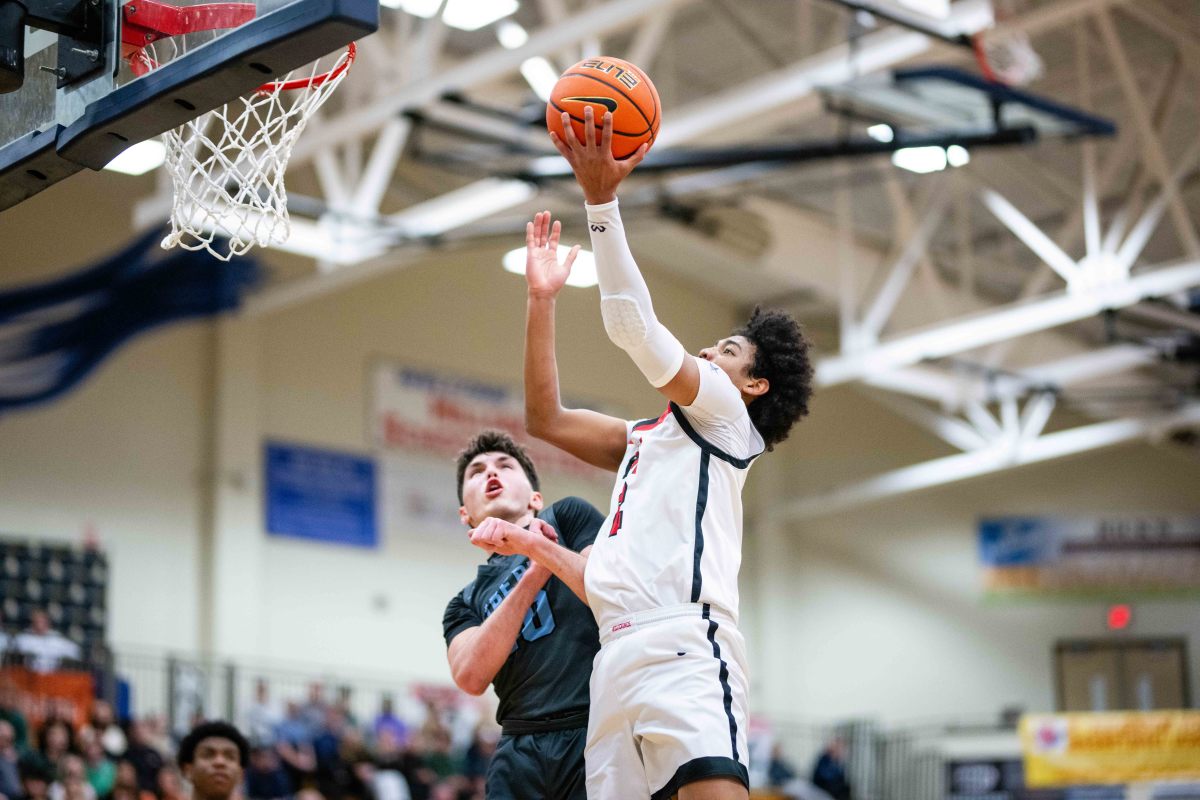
{"x":734,"y":355}
{"x":495,"y":485}
{"x":216,"y":770}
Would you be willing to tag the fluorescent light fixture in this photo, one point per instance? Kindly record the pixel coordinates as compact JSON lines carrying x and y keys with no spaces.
{"x":139,"y":159}
{"x":930,"y":8}
{"x":511,"y":35}
{"x":881,"y":132}
{"x":921,"y":160}
{"x":957,"y":156}
{"x":471,"y":15}
{"x":540,"y":76}
{"x":583,"y":271}
{"x":462,"y":206}
{"x":418,"y":8}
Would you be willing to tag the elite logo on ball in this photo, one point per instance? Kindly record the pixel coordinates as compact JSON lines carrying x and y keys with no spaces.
{"x":623,"y":75}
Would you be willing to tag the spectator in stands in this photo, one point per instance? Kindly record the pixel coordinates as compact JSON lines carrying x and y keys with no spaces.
{"x":10,"y":712}
{"x":313,"y":712}
{"x":102,"y":723}
{"x":387,"y":720}
{"x":43,"y":647}
{"x":146,"y":759}
{"x":55,"y":742}
{"x":10,"y":759}
{"x":213,"y":757}
{"x":170,"y":784}
{"x":263,"y":716}
{"x":72,"y":781}
{"x":127,"y":786}
{"x":829,"y":773}
{"x":265,"y":777}
{"x":343,"y":705}
{"x":779,"y":771}
{"x":101,"y":771}
{"x":35,"y":779}
{"x":390,"y":757}
{"x":331,"y":773}
{"x":293,"y":743}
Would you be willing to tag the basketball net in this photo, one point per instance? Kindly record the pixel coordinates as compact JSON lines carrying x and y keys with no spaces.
{"x":227,"y":166}
{"x":1007,"y":56}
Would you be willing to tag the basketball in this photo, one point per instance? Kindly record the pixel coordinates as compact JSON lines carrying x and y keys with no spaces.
{"x":607,"y":84}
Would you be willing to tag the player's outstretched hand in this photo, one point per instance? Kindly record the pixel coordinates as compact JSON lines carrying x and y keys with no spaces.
{"x":598,"y":173}
{"x":543,"y":272}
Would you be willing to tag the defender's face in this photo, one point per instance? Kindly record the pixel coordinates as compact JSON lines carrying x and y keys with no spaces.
{"x":734,"y":355}
{"x":216,"y":769}
{"x":495,"y":485}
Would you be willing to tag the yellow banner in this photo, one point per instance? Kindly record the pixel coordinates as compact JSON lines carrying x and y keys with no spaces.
{"x":1120,"y":747}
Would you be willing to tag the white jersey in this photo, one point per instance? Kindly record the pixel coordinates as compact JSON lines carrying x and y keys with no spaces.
{"x":674,"y":530}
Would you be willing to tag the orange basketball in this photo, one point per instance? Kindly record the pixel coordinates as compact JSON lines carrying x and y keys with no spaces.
{"x":607,"y":84}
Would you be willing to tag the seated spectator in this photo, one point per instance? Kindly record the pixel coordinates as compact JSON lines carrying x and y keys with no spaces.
{"x":101,"y":770}
{"x":479,"y":754}
{"x":263,"y":716}
{"x":265,"y":777}
{"x":829,"y":773}
{"x":35,"y":779}
{"x":331,"y":773}
{"x":102,"y":722}
{"x":779,"y":771}
{"x":127,"y":786}
{"x":72,"y":781}
{"x":313,"y":712}
{"x":43,"y":647}
{"x":170,"y":784}
{"x":55,"y":742}
{"x":143,"y":756}
{"x":10,"y":760}
{"x":343,"y":705}
{"x":10,"y":712}
{"x":390,"y":757}
{"x":387,"y":720}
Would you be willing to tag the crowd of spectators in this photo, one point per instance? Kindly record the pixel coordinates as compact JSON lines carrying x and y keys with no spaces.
{"x":311,"y":750}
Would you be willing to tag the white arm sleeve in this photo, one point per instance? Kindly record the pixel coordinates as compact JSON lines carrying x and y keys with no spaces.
{"x":625,"y":303}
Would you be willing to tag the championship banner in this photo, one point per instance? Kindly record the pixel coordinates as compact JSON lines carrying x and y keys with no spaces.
{"x":1116,"y":747}
{"x":1125,"y":555}
{"x":420,"y":420}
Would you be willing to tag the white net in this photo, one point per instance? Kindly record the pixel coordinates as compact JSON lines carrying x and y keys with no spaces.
{"x":227,"y":166}
{"x":1011,"y":58}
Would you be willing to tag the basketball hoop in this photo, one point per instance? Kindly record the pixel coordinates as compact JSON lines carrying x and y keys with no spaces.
{"x":227,"y":166}
{"x":1007,"y":56}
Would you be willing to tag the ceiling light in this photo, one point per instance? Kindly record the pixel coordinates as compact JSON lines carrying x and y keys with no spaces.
{"x":881,"y":133}
{"x":471,"y":15}
{"x":920,"y":159}
{"x":583,"y":271}
{"x":418,"y":8}
{"x":540,"y":76}
{"x":957,"y":156}
{"x":511,"y":35}
{"x":139,"y":159}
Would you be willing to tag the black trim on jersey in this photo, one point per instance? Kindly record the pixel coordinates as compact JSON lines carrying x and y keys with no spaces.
{"x":701,"y":502}
{"x":723,"y":676}
{"x":699,"y":769}
{"x":707,"y":446}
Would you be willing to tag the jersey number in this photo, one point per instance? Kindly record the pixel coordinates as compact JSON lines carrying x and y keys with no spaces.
{"x":619,"y":517}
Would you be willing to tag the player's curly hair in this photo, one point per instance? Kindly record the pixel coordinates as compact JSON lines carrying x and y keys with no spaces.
{"x":214,"y":729}
{"x":495,"y":442}
{"x":780,"y":356}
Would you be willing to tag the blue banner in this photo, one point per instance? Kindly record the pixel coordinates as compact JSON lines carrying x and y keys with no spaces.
{"x":321,"y":495}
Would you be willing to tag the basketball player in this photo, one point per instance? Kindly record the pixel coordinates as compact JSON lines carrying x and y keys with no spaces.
{"x":669,"y":687}
{"x":520,"y":629}
{"x":212,"y":757}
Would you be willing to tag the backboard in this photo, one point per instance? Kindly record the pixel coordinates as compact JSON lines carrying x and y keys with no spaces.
{"x":86,"y":94}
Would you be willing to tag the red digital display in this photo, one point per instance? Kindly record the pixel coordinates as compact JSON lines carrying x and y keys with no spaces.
{"x":1119,"y":617}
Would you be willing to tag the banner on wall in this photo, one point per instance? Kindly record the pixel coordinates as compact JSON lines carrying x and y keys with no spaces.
{"x":1118,"y":554}
{"x":318,"y":494}
{"x":1110,"y":747}
{"x":421,"y":420}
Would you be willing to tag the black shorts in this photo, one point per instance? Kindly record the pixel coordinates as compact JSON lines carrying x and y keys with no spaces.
{"x":538,"y":766}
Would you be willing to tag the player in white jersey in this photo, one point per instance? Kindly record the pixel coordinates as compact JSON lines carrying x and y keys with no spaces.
{"x":669,"y":686}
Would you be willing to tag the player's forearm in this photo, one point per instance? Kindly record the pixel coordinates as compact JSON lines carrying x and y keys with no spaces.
{"x":567,"y":565}
{"x":475,"y":665}
{"x":625,"y":304}
{"x":542,"y":401}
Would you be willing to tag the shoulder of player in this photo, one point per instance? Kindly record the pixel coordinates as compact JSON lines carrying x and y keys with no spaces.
{"x":690,"y":430}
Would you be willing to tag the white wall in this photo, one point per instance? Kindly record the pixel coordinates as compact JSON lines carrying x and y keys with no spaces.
{"x":879,"y":611}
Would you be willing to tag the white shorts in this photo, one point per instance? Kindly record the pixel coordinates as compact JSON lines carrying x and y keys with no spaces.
{"x":669,"y":704}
